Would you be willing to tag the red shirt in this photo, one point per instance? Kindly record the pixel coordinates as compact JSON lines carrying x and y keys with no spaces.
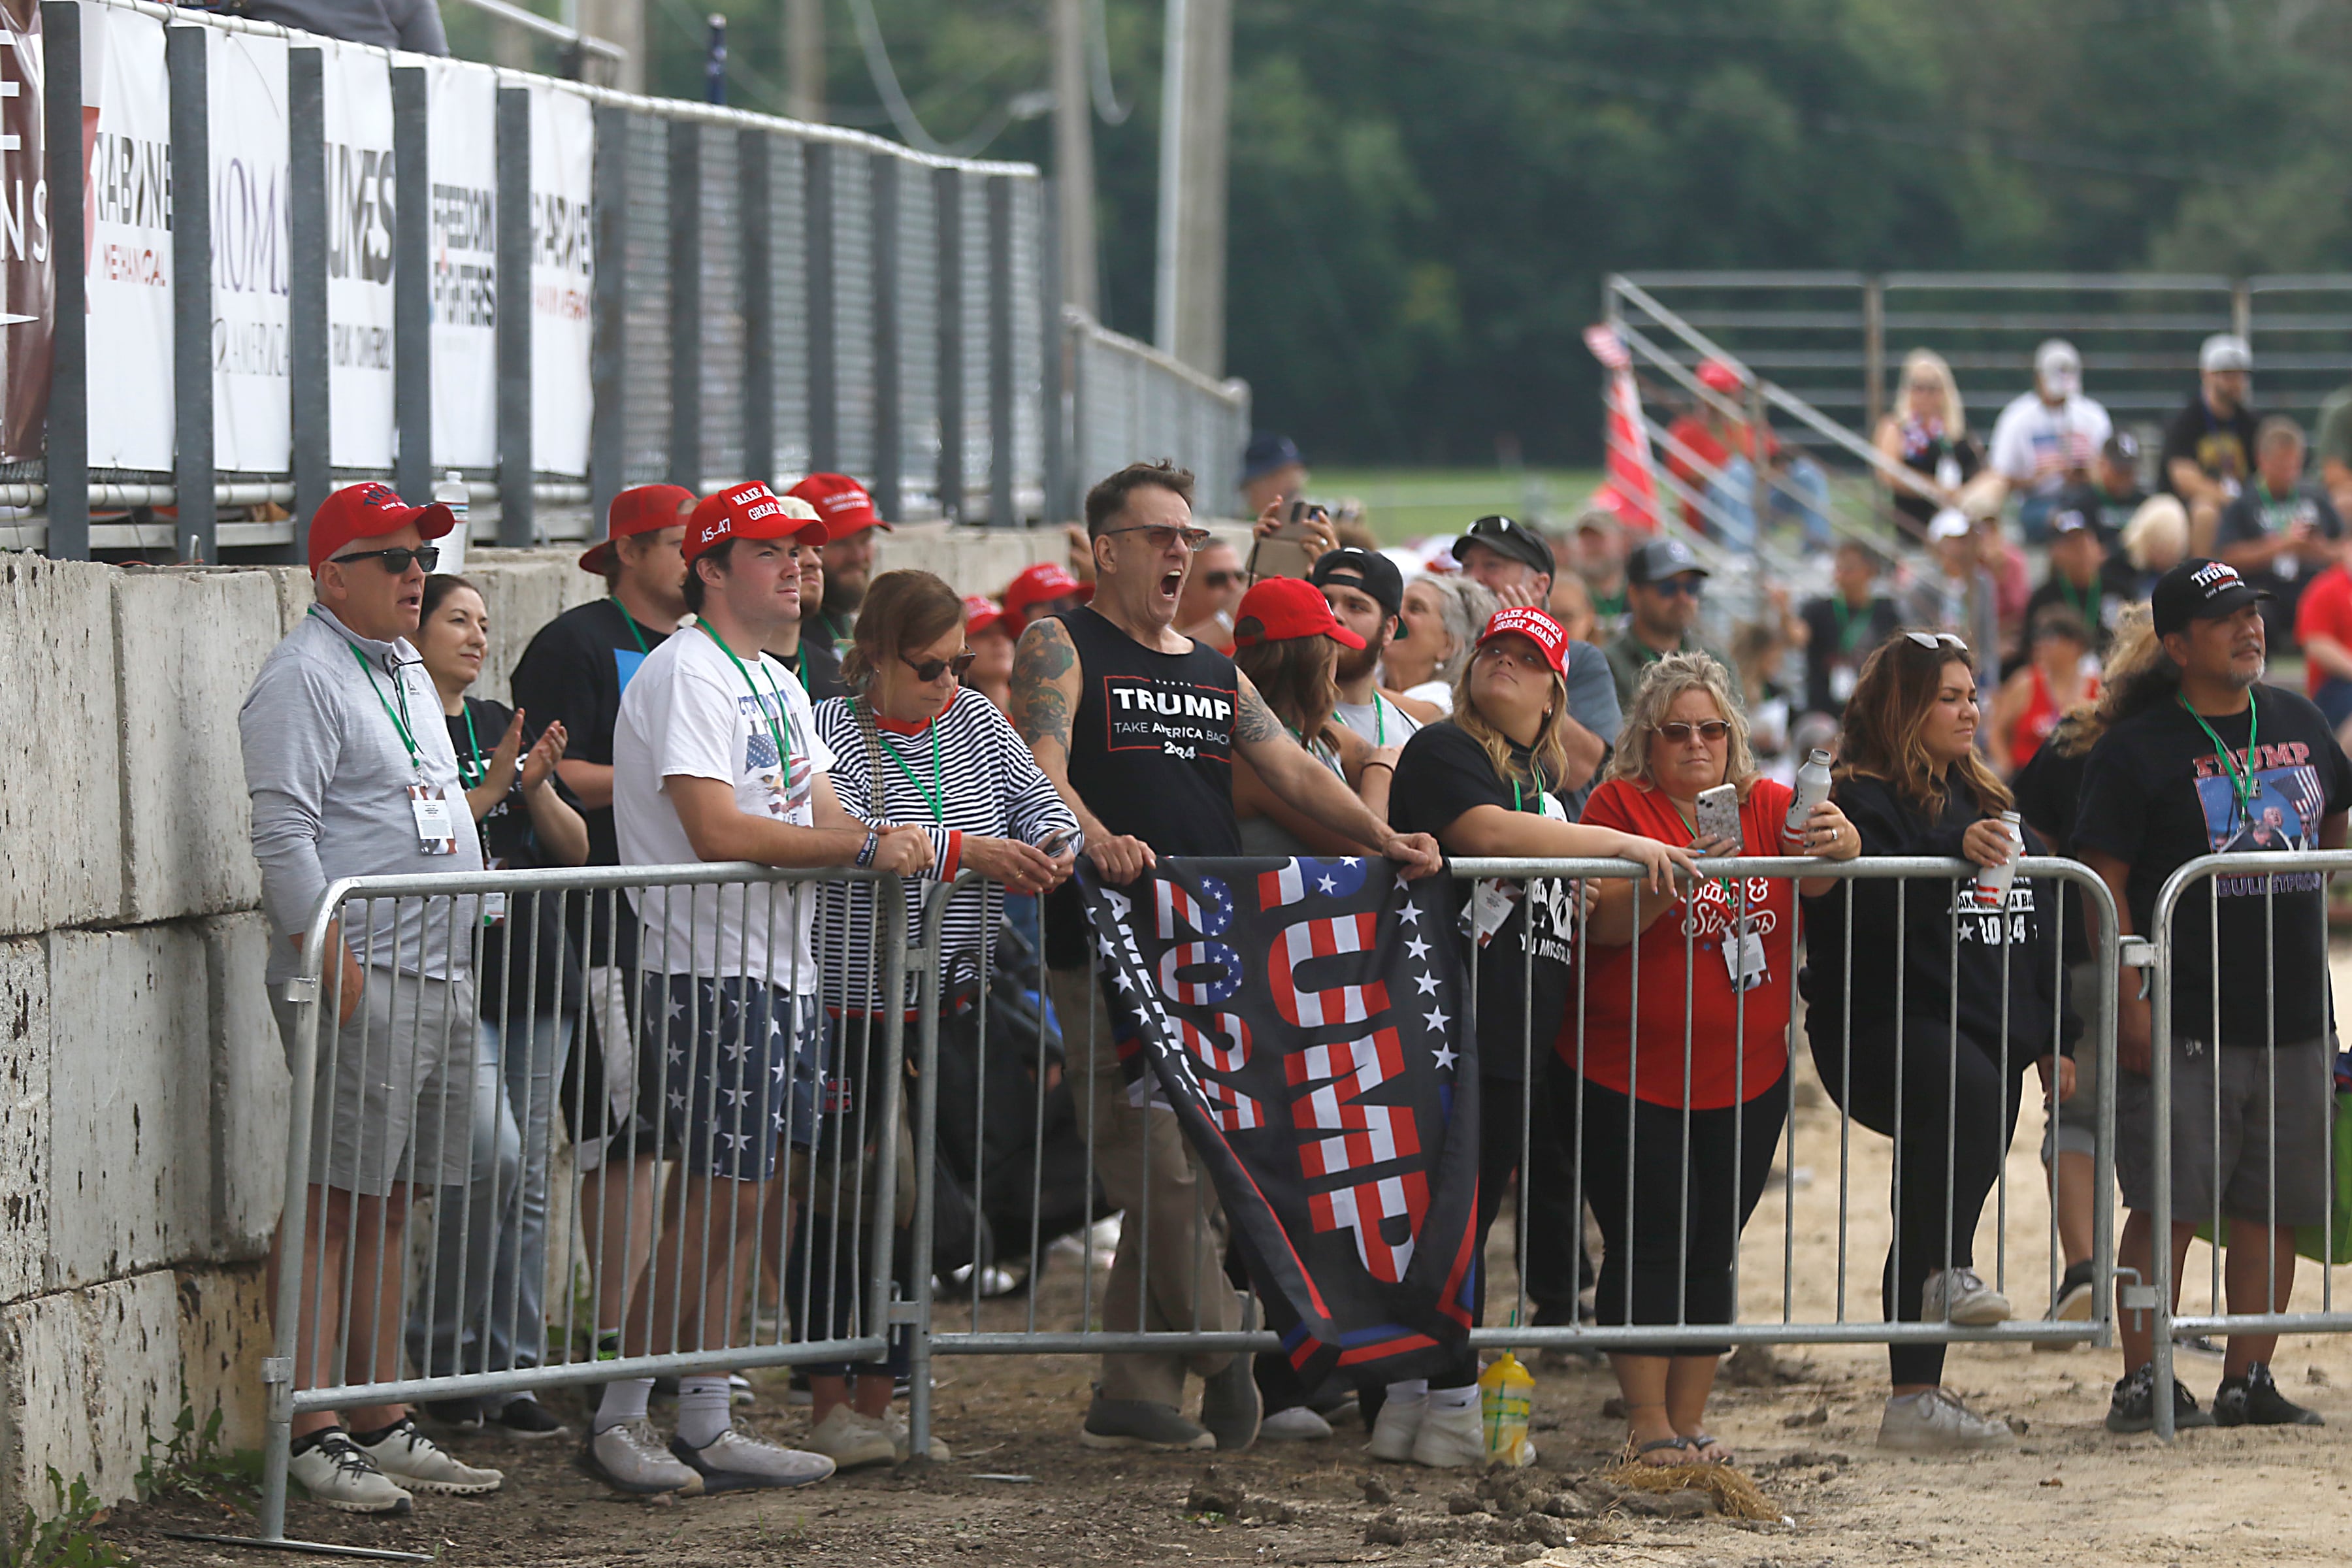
{"x":2326,"y":607}
{"x":1694,"y":432}
{"x":1717,"y":1078}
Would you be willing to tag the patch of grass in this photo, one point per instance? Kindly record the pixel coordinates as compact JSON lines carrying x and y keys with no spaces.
{"x":1414,"y":503}
{"x":195,"y":1464}
{"x":68,"y":1538}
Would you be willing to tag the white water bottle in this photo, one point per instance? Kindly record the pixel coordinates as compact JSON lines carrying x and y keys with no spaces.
{"x":1992,"y":881}
{"x":452,"y":493}
{"x":1812,"y":788}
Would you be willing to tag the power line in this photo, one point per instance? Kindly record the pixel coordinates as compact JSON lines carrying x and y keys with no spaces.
{"x":1105,"y":94}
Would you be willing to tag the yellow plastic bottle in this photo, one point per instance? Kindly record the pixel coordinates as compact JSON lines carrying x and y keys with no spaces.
{"x":1507,"y":1394}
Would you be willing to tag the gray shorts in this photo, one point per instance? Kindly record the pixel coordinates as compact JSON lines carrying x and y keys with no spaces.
{"x":400,"y":1073}
{"x":2073,"y":1128}
{"x":2225,"y":1138}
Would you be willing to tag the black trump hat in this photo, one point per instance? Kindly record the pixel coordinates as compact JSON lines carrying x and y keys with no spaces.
{"x":2200,"y":590}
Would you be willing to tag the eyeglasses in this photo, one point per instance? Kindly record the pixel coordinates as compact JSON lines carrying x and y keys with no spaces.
{"x":1933,"y":640}
{"x":1162,"y":535}
{"x":1220,"y":579}
{"x":1677,"y":588}
{"x":1709,"y":730}
{"x":395,"y":561}
{"x":930,"y":670}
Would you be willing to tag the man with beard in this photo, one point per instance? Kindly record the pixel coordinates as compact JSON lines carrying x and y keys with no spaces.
{"x":850,"y":519}
{"x":1365,"y":593}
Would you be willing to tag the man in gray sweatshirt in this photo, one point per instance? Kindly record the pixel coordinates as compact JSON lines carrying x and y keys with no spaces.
{"x":352,"y":773}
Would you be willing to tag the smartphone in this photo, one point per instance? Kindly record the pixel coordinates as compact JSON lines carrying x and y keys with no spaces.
{"x":1718,"y":814}
{"x":1286,"y":552}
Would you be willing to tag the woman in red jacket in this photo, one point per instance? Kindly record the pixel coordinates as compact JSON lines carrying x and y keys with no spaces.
{"x":1685,"y":1044}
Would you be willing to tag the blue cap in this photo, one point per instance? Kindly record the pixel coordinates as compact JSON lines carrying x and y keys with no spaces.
{"x":1267,"y":452}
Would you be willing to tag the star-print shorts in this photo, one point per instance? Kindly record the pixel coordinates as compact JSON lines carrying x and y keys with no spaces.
{"x":736,"y":1062}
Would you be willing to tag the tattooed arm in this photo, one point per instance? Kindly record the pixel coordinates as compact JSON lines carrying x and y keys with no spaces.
{"x":1307,"y":786}
{"x":1047,"y":678}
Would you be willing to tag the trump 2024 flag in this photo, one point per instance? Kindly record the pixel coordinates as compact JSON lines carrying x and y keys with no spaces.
{"x":1308,"y":1021}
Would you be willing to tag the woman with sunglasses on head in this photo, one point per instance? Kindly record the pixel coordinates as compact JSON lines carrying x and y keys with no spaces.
{"x":1486,"y":783}
{"x":1684,"y":1052}
{"x":1928,"y":435}
{"x":492,"y":1237}
{"x":1442,"y":616}
{"x":911,"y":746}
{"x":1926,"y":1005}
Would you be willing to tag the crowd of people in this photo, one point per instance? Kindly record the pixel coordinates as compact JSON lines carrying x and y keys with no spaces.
{"x":750,"y":689}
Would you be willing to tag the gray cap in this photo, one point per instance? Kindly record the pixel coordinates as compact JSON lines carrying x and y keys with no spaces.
{"x":1660,"y":559}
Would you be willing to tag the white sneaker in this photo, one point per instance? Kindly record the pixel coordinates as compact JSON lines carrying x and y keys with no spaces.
{"x":338,"y":1472}
{"x":895,"y":1424}
{"x":740,"y":1390}
{"x":419,"y":1463}
{"x":1935,"y":1422}
{"x":1396,"y":1427}
{"x":734,"y":1462}
{"x":1450,"y":1439}
{"x":1297,"y":1423}
{"x":1974,"y":1304}
{"x":631,"y":1457}
{"x":852,"y":1441}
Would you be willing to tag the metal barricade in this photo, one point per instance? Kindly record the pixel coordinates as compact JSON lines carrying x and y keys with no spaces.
{"x":2267,"y":875}
{"x":758,"y":1190}
{"x":978,"y":1308}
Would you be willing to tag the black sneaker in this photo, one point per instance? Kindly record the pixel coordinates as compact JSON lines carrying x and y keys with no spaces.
{"x":525,"y":1417}
{"x":2254,"y":1399}
{"x":458,"y":1415}
{"x":2133,"y":1407}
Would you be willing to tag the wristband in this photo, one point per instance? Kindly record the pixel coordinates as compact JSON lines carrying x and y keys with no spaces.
{"x":1368,"y":766}
{"x":865,"y":855}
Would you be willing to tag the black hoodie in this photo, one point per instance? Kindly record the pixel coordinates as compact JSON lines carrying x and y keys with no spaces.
{"x":1890,"y":826}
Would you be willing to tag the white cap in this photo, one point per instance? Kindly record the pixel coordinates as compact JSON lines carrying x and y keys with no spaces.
{"x":2058,"y":368}
{"x":1949,"y":523}
{"x":2224,"y":351}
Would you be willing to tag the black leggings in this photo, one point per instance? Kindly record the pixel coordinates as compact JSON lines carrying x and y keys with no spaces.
{"x":1958,"y":1108}
{"x":1670,"y":1238}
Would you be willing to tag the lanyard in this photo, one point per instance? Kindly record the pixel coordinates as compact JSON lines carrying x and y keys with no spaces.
{"x":471,"y":773}
{"x":2087,"y":606}
{"x":2242,"y":780}
{"x":936,"y":794}
{"x":400,"y":688}
{"x":630,"y":621}
{"x":1844,"y":614}
{"x":1379,"y":718}
{"x":784,"y":752}
{"x":1519,"y":801}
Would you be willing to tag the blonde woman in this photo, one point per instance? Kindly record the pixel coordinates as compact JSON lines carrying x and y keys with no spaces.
{"x":1685,"y":1050}
{"x":2155,"y":541}
{"x":1927,"y":432}
{"x":1443,"y":616}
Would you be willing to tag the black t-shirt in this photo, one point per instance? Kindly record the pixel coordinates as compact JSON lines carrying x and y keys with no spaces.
{"x":2049,"y":791}
{"x":2223,"y":447}
{"x":817,"y":668}
{"x":2099,"y":605}
{"x":1925,"y":453}
{"x":509,"y":842}
{"x":1838,"y":645}
{"x":1442,"y":774}
{"x":2156,"y":795}
{"x":2109,"y":512}
{"x":2257,"y":515}
{"x":1152,"y":755}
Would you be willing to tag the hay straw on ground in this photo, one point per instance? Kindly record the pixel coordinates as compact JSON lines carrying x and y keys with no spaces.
{"x":1735,"y":1495}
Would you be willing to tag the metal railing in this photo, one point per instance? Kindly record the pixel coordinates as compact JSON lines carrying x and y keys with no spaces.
{"x":1130,"y":401}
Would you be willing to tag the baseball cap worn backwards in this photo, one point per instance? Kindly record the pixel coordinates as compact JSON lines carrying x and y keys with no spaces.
{"x":369,"y":510}
{"x":750,"y":512}
{"x":2200,"y":590}
{"x":642,"y":508}
{"x":1366,"y":569}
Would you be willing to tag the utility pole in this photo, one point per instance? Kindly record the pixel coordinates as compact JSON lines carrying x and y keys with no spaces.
{"x":1196,"y":99}
{"x":1073,"y":156}
{"x":805,"y":59}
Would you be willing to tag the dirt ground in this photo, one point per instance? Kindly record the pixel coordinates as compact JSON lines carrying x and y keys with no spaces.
{"x":1020,"y":1489}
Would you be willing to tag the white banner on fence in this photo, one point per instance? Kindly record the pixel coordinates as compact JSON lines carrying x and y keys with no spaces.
{"x":462,"y":128}
{"x":359,"y":258}
{"x":127,"y":126}
{"x":245,"y":93}
{"x":563,"y":269}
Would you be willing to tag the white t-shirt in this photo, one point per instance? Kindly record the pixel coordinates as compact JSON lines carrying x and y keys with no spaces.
{"x":688,"y":712}
{"x":1436,"y":692}
{"x":1379,"y":721}
{"x":2033,"y":445}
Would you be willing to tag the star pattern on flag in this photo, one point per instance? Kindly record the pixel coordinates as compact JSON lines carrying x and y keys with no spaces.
{"x":1410,"y":915}
{"x":1326,"y":885}
{"x":1428,"y":983}
{"x":1123,"y":980}
{"x":1436,"y":1020}
{"x":677,"y":1100}
{"x":1446,"y":1057}
{"x":1417,"y":947}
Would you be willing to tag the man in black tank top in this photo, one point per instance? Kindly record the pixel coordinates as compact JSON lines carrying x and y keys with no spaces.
{"x":1137,"y":725}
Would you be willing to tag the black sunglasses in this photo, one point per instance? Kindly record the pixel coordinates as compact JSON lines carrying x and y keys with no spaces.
{"x":1221,"y":579}
{"x":395,"y":561}
{"x":930,"y":670}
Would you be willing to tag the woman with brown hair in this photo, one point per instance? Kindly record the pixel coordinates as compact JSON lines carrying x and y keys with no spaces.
{"x":1288,"y":641}
{"x":910,"y":745}
{"x":1925,"y":1005}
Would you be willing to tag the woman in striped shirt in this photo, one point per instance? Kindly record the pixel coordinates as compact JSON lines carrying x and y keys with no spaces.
{"x":912,"y":746}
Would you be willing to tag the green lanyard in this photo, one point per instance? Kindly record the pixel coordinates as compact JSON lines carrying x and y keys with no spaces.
{"x":1519,"y":802}
{"x":471,"y":773}
{"x":399,"y":719}
{"x":936,"y":793}
{"x":784,"y":752}
{"x":2242,"y":780}
{"x":1379,"y":718}
{"x":630,"y":621}
{"x":1844,"y":614}
{"x":2087,"y":606}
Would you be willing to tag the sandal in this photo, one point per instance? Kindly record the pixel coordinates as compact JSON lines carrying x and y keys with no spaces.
{"x":1637,"y":1453}
{"x":1700,"y":1442}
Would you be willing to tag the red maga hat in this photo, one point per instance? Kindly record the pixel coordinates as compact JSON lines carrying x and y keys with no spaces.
{"x":750,"y":512}
{"x":1537,"y":627}
{"x":644,"y":508}
{"x":980,"y":614}
{"x":842,"y":502}
{"x":1287,"y":608}
{"x":370,"y":511}
{"x":1047,"y":581}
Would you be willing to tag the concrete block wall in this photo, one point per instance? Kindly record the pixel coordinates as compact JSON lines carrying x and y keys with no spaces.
{"x":142,"y":1087}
